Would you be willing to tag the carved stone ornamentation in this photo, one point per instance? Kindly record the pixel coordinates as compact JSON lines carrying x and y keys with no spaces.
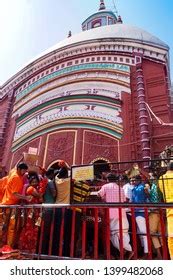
{"x":60,"y":146}
{"x":99,"y":145}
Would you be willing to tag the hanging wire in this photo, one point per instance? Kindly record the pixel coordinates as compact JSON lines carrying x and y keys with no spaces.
{"x":115,"y":8}
{"x":150,"y":111}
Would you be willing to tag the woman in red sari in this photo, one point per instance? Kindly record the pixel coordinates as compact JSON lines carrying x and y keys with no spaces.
{"x":29,"y":234}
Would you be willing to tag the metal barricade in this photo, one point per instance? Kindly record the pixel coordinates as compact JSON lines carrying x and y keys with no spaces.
{"x":84,"y":229}
{"x":85,"y":233}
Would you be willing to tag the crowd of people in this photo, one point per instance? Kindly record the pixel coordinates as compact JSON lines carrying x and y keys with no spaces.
{"x":20,"y":228}
{"x":139,"y":188}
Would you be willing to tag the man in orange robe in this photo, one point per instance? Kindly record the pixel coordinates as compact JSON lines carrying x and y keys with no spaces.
{"x":14,"y":185}
{"x":12,"y":196}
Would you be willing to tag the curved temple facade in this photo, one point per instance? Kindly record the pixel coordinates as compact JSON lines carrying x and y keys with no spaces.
{"x":95,"y":95}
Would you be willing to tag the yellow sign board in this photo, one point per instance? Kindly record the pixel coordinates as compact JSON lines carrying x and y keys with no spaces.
{"x":83,"y":173}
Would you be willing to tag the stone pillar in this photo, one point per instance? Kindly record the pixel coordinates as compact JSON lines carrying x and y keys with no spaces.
{"x":143,"y":115}
{"x":79,"y":147}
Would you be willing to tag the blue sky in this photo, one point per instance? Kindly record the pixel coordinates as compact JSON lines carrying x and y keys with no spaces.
{"x":28,"y":27}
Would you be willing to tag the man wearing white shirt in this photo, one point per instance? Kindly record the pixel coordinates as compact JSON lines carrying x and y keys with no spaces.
{"x":128,"y":187}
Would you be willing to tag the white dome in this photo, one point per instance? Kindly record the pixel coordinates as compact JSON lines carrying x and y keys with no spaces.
{"x":115,"y":32}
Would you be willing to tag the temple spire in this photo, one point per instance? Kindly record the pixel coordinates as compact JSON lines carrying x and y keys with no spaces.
{"x":119,"y":20}
{"x":102,"y":5}
{"x":69,"y":34}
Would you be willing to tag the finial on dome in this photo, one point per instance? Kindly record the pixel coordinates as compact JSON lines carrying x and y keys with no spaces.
{"x":102,"y":5}
{"x":119,"y":20}
{"x":69,"y":34}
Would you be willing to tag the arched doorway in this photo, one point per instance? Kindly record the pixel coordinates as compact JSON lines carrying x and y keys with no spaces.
{"x":56,"y":167}
{"x":100,"y":165}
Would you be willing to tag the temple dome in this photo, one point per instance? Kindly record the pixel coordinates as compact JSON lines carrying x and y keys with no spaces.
{"x":115,"y":32}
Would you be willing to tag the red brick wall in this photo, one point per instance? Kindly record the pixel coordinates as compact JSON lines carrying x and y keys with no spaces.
{"x":105,"y":147}
{"x":158,"y":99}
{"x":3,"y":109}
{"x":60,"y":145}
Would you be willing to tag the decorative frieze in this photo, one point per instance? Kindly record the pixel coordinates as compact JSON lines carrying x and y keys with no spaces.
{"x":54,"y":56}
{"x":36,"y":97}
{"x":95,"y":112}
{"x":68,"y":70}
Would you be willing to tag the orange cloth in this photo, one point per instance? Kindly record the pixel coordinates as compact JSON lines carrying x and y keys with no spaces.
{"x":14,"y":184}
{"x":42,"y":185}
{"x":62,"y":163}
{"x":30,"y":190}
{"x":3,"y":183}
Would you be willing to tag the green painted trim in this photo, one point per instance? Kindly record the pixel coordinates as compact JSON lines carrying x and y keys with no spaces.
{"x":61,"y":126}
{"x":66,"y":104}
{"x":91,"y":66}
{"x":100,"y":14}
{"x":60,"y":99}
